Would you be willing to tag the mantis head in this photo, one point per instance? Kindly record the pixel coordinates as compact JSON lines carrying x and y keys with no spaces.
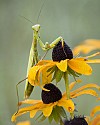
{"x":36,"y":27}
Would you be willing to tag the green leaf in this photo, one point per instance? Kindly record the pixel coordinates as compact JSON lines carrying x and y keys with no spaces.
{"x":54,"y":75}
{"x":59,"y":75}
{"x":56,"y":115}
{"x":61,"y":111}
{"x":51,"y":70}
{"x":42,"y":118}
{"x":50,"y":118}
{"x":39,"y":116}
{"x":61,"y":122}
{"x":71,"y":72}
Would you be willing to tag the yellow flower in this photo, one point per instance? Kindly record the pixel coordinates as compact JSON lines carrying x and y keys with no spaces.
{"x":45,"y":69}
{"x":87,"y":46}
{"x":50,"y":99}
{"x":63,"y":61}
{"x":53,"y":98}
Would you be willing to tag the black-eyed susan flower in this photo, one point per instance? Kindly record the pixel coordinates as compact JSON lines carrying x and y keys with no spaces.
{"x":87,"y":46}
{"x":76,"y":121}
{"x":52,"y":103}
{"x":62,"y":62}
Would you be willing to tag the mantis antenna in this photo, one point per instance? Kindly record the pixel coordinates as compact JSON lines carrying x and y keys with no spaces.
{"x":40,"y":10}
{"x":26,"y":19}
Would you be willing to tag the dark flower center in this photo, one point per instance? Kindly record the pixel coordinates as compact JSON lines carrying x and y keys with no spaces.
{"x":61,"y":52}
{"x":51,"y":96}
{"x":76,"y":121}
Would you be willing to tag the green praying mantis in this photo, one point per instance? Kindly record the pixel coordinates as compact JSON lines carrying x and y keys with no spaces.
{"x":33,"y":57}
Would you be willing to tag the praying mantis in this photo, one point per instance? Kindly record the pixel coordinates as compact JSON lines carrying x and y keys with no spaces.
{"x":33,"y":57}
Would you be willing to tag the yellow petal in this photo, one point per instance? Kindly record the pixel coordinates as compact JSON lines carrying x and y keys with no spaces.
{"x":13,"y":118}
{"x":88,"y":46}
{"x":46,"y":77}
{"x":26,"y":109}
{"x":80,"y":66}
{"x":93,"y":42}
{"x":29,"y":101}
{"x":62,"y":65}
{"x":67,"y":104}
{"x":93,"y":61}
{"x":48,"y":110}
{"x":32,"y":74}
{"x":88,"y":91}
{"x":93,"y":55}
{"x":87,"y":118}
{"x":90,"y":85}
{"x":94,"y":110}
{"x":44,"y":62}
{"x":83,"y":49}
{"x":23,"y":123}
{"x":96,"y":120}
{"x":33,"y":113}
{"x":71,"y":85}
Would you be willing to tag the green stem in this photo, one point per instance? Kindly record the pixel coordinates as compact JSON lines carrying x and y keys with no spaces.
{"x":68,"y":90}
{"x":67,"y":85}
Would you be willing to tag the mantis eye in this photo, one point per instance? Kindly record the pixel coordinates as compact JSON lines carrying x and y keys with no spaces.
{"x":51,"y":96}
{"x":61,"y":52}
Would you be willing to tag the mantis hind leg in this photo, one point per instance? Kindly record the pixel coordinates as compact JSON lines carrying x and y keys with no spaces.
{"x":18,"y":92}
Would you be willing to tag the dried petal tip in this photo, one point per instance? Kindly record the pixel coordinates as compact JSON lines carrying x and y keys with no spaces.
{"x":76,"y":121}
{"x":61,"y":52}
{"x":51,"y":96}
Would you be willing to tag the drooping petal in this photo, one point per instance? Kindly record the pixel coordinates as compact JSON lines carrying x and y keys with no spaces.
{"x":80,"y":66}
{"x":25,"y":110}
{"x":32,"y":74}
{"x":62,"y":65}
{"x":13,"y":118}
{"x":67,"y":104}
{"x":48,"y":110}
{"x":88,"y":92}
{"x":46,"y":77}
{"x":33,"y":113}
{"x":95,"y":110}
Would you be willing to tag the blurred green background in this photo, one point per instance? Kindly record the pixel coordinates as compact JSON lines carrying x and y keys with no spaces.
{"x":74,"y":20}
